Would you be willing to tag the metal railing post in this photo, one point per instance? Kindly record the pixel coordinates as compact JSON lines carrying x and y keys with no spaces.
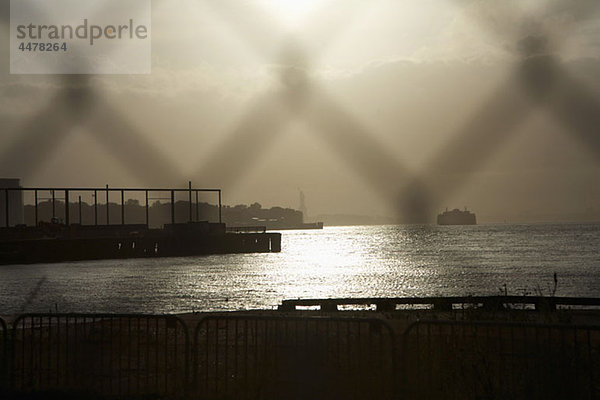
{"x":107,"y":207}
{"x":80,"y":217}
{"x":95,"y":207}
{"x":36,"y":207}
{"x":172,"y":207}
{"x":6,"y":208}
{"x":147,"y":214}
{"x":67,"y":214}
{"x":220,"y":208}
{"x":190,"y":200}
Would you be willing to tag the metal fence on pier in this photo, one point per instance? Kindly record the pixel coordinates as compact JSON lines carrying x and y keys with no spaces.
{"x":500,"y":360}
{"x":110,"y":355}
{"x":295,"y":356}
{"x":4,"y":357}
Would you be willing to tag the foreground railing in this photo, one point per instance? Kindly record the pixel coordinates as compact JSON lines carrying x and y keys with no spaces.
{"x":500,"y":360}
{"x":4,"y":357}
{"x":295,"y":357}
{"x":490,"y":303}
{"x":110,"y":355}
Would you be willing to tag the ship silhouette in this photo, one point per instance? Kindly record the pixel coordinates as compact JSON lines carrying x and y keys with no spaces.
{"x":456,"y":217}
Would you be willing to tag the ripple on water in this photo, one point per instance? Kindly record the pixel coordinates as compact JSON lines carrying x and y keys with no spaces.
{"x":333,"y":262}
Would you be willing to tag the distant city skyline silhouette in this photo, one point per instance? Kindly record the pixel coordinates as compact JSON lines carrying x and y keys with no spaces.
{"x":382,"y":180}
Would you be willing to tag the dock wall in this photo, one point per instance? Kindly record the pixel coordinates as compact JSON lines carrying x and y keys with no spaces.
{"x":134,"y":246}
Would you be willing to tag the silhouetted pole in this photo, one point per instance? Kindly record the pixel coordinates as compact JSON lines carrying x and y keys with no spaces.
{"x":6,"y":206}
{"x":190,"y":199}
{"x":95,"y":207}
{"x":35,"y":192}
{"x":67,"y":219}
{"x":147,"y":215}
{"x":197,"y":206}
{"x":122,"y":207}
{"x":172,"y":206}
{"x":53,"y":205}
{"x":80,"y":223}
{"x":220,"y":206}
{"x":107,"y":208}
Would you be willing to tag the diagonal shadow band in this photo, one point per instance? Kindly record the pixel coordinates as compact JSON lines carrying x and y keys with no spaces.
{"x":467,"y":151}
{"x":75,"y":102}
{"x":45,"y":132}
{"x":263,"y":124}
{"x":472,"y":146}
{"x":538,"y":81}
{"x":360,"y":150}
{"x":348,"y":136}
{"x":255,"y":27}
{"x":253,"y":135}
{"x":566,"y":99}
{"x":527,"y":23}
{"x":77,"y":105}
{"x":135,"y":152}
{"x":354,"y":143}
{"x":262,"y":128}
{"x":341,"y":132}
{"x":266,"y":36}
{"x":337,"y":129}
{"x":492,"y":124}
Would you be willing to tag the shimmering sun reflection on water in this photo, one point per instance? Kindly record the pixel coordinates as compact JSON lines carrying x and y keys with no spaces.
{"x":346,"y":261}
{"x":375,"y":261}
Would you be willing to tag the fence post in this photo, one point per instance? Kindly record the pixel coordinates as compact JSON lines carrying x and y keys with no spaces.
{"x":4,"y":358}
{"x":7,"y":212}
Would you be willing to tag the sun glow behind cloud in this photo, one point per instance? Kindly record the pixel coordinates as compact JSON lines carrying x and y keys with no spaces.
{"x":291,"y":13}
{"x":388,"y":64}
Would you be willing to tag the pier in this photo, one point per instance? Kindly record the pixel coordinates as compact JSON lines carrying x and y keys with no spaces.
{"x":193,"y":201}
{"x":57,"y":240}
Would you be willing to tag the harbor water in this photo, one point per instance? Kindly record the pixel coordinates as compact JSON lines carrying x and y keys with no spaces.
{"x":358,"y":261}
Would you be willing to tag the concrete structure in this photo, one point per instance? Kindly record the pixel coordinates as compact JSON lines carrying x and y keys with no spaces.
{"x":59,"y":241}
{"x":14,"y":212}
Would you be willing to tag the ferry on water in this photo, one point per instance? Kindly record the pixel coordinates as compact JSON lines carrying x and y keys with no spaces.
{"x":456,"y":217}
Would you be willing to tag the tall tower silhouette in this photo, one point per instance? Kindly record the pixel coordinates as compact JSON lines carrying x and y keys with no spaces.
{"x":302,"y":206}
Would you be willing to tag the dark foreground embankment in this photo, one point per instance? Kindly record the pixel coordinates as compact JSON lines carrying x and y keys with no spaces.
{"x":420,"y":353}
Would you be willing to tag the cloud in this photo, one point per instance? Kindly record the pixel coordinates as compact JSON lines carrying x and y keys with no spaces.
{"x":412,"y":93}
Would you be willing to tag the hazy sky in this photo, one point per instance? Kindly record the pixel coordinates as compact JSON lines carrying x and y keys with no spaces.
{"x":380,"y":107}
